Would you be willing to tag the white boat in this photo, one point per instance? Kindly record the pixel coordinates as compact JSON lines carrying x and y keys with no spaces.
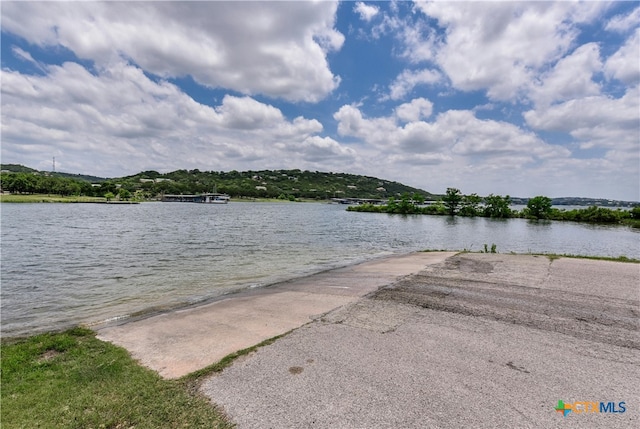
{"x":216,"y":199}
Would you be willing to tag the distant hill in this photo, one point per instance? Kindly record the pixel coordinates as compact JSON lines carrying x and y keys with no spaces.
{"x":273,"y":184}
{"x":287,"y":184}
{"x":17,"y":168}
{"x":600,"y":202}
{"x":580,"y":201}
{"x":269,"y":183}
{"x":85,"y":177}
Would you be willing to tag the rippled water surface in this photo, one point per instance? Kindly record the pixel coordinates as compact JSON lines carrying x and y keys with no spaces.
{"x":65,"y":264}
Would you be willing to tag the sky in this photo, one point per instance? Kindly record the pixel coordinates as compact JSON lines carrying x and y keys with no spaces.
{"x":510,"y":98}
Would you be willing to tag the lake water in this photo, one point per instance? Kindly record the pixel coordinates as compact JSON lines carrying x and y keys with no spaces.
{"x":67,"y":264}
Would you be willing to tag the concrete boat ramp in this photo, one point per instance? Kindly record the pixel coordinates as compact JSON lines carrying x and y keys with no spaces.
{"x":433,"y":339}
{"x":177,"y":343}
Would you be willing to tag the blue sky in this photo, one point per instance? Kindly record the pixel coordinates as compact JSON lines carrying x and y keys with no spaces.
{"x":518,"y":98}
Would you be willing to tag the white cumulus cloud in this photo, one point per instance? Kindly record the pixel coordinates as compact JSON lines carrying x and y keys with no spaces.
{"x":409,"y":79}
{"x":274,"y":48}
{"x":624,"y":64}
{"x":456,"y":148}
{"x":366,"y":12}
{"x":500,"y":47}
{"x":572,"y":77}
{"x":120,"y":120}
{"x":417,"y":109}
{"x":623,"y":23}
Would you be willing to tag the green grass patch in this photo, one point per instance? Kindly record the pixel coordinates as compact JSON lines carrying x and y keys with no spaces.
{"x":195,"y":377}
{"x":554,"y":256}
{"x":73,"y":380}
{"x":44,"y":198}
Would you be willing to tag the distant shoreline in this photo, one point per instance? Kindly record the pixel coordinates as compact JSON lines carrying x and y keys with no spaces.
{"x":44,"y":198}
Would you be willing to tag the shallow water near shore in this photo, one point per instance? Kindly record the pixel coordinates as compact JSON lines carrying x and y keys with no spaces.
{"x":68,"y":264}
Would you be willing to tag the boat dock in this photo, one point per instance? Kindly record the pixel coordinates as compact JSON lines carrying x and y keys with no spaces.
{"x":211,"y":198}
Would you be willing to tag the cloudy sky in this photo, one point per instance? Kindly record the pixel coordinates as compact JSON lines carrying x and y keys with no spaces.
{"x":518,"y":98}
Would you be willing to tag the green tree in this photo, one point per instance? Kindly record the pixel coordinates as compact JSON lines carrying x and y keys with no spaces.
{"x":70,"y":187}
{"x":19,"y":184}
{"x":452,"y":200}
{"x":392,"y":206}
{"x":109,"y":196}
{"x":47,"y":185}
{"x":470,"y":205}
{"x":5,"y":181}
{"x":436,"y":208}
{"x":497,"y":206}
{"x":124,"y":194}
{"x":406,"y":206}
{"x":107,"y":186}
{"x":539,"y":207}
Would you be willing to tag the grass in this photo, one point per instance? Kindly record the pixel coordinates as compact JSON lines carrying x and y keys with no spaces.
{"x":551,"y":256}
{"x":73,"y":380}
{"x":44,"y":198}
{"x":197,"y":376}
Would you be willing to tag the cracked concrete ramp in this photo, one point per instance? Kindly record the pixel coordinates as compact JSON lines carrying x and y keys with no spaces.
{"x":177,"y":343}
{"x":478,"y":341}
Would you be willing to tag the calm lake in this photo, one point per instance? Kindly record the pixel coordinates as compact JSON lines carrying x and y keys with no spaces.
{"x":66,"y":264}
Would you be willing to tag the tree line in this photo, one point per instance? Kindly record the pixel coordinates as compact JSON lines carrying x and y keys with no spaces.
{"x":284,"y":184}
{"x":454,"y":203}
{"x":29,"y":183}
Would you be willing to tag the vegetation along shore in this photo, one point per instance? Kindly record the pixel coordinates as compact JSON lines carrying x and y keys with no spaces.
{"x":28,"y":185}
{"x":454,"y":203}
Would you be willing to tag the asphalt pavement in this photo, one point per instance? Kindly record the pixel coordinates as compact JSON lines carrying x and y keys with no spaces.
{"x":471,"y":340}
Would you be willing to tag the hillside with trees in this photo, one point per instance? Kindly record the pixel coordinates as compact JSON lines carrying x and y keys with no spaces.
{"x":284,"y":184}
{"x":289,"y":184}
